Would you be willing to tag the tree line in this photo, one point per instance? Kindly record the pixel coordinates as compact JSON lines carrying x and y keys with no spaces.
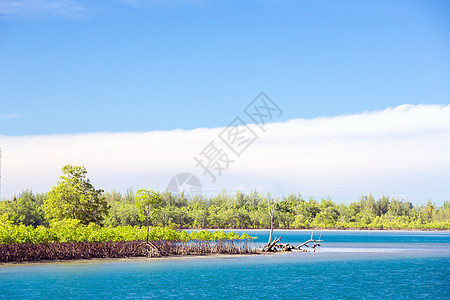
{"x":74,"y":197}
{"x":240,"y":210}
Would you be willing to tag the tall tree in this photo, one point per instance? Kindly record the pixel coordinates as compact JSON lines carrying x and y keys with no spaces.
{"x":147,"y":202}
{"x":74,"y":197}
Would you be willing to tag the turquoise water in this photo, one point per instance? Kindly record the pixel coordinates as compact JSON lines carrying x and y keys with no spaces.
{"x":349,"y":265}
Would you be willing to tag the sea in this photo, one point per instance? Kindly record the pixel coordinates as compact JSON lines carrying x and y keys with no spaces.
{"x":347,"y":265}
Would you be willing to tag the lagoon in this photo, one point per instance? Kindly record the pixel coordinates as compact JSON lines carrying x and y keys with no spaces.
{"x":349,"y":265}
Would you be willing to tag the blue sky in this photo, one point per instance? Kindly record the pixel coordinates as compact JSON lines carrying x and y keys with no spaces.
{"x":88,"y":66}
{"x":133,"y":90}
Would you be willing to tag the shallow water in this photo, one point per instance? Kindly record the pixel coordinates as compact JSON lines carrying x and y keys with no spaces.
{"x":348,"y":265}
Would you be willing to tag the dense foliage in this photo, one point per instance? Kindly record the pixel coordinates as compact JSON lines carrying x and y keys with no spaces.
{"x":75,"y":197}
{"x":72,"y":230}
{"x":240,"y":210}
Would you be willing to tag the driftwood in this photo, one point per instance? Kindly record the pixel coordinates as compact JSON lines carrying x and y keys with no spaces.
{"x":270,"y":247}
{"x":274,"y":246}
{"x":270,"y":205}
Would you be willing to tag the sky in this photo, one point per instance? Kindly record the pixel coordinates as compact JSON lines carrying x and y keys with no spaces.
{"x":134,"y":90}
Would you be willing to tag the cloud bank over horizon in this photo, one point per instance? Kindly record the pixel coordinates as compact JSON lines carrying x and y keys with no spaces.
{"x":403,"y":152}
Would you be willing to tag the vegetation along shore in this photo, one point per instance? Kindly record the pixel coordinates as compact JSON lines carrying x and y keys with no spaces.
{"x":71,"y":240}
{"x":74,"y":220}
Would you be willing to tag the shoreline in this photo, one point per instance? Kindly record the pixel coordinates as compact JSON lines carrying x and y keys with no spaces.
{"x":142,"y":258}
{"x":113,"y":250}
{"x":322,"y":229}
{"x":44,"y":253}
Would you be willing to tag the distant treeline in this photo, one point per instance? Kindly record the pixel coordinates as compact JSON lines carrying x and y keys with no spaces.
{"x":239,"y":210}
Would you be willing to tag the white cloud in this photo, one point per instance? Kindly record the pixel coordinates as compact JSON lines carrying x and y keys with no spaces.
{"x":28,"y":8}
{"x":402,"y":151}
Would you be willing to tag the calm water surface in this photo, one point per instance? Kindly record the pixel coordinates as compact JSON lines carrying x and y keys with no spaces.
{"x":349,"y":265}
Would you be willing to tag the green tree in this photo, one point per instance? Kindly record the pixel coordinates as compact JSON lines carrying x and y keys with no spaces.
{"x":24,"y":209}
{"x":382,"y":206}
{"x":147,"y":203}
{"x":328,"y":214}
{"x":122,"y":209}
{"x":428,"y":211}
{"x":74,"y":197}
{"x":199,"y":215}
